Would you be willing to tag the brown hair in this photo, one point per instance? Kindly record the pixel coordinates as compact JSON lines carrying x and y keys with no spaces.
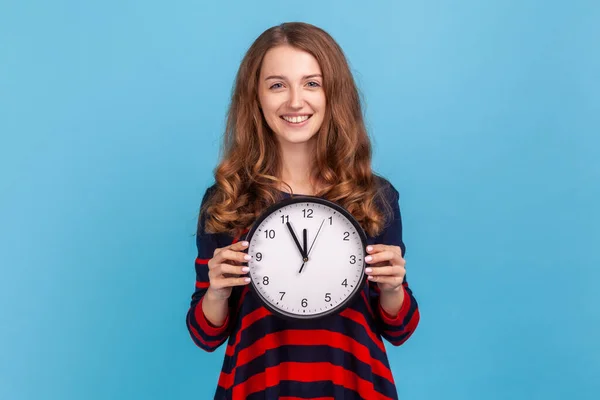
{"x":247,"y":177}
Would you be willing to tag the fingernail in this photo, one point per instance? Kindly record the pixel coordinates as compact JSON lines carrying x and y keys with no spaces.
{"x":245,"y":243}
{"x":368,"y":258}
{"x":246,"y":280}
{"x":245,"y":269}
{"x":368,"y":270}
{"x":247,"y":257}
{"x":369,"y":248}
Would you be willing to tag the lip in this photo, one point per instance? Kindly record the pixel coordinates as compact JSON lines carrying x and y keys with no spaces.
{"x":300,"y":125}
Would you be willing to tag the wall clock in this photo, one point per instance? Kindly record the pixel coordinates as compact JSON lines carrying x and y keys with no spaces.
{"x":307,"y":257}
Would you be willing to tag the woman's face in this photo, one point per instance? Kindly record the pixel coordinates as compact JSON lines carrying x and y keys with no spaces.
{"x":291,"y":95}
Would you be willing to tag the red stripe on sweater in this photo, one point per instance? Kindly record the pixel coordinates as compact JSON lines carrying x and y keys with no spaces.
{"x":307,"y":372}
{"x":410,"y":327}
{"x":246,"y":322}
{"x":202,"y":285}
{"x":414,"y":320}
{"x":364,"y":296}
{"x":401,"y":317}
{"x":210,"y":343}
{"x":202,"y":261}
{"x":359,"y":318}
{"x":398,"y":319}
{"x":242,"y":295}
{"x":306,"y":338}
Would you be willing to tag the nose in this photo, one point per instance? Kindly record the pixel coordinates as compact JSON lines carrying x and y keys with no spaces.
{"x":296,"y":98}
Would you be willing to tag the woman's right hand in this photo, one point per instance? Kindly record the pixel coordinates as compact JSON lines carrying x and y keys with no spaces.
{"x":225,"y":270}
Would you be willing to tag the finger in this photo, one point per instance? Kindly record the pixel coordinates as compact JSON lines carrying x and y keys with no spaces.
{"x":395,"y":270}
{"x":232,"y":255}
{"x":390,"y":280}
{"x":228,"y":282}
{"x":379,"y":264}
{"x":226,"y":270}
{"x":377,"y":248}
{"x":237,"y":246}
{"x":233,"y":269}
{"x":385,"y":255}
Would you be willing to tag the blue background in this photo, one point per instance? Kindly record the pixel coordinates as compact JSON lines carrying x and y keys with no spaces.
{"x":484,"y":115}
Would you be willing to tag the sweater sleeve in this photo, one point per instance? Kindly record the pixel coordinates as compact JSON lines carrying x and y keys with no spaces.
{"x":204,"y":334}
{"x":396,"y":329}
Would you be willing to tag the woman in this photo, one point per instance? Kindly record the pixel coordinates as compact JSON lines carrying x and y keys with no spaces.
{"x":295,"y":125}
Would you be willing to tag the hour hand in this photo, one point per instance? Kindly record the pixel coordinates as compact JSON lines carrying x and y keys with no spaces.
{"x":305,"y":247}
{"x":305,"y":258}
{"x":296,"y":241}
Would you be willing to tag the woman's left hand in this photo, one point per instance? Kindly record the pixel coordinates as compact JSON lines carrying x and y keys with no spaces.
{"x":386,"y":266}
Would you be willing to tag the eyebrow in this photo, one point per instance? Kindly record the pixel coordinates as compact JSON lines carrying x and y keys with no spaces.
{"x":284,"y":78}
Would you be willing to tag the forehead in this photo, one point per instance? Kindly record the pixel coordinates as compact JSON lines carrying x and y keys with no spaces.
{"x":289,"y":61}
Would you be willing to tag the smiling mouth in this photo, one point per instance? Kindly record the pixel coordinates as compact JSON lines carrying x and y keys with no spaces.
{"x":296,"y":120}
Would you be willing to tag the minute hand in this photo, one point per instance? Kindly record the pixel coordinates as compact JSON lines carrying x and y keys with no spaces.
{"x":311,"y":246}
{"x":302,"y":251}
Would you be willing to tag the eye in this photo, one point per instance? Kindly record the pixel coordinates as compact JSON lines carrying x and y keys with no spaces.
{"x":274,"y":86}
{"x":316,"y":84}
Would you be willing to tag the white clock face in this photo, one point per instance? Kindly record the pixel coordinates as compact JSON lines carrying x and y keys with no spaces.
{"x":314,"y":282}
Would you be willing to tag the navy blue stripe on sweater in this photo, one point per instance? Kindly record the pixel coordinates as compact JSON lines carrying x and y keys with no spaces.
{"x":310,"y":354}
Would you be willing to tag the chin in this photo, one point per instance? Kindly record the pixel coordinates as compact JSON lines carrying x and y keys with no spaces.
{"x":296,"y":138}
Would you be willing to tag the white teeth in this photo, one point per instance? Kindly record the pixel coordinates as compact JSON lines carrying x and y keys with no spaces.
{"x":296,"y":120}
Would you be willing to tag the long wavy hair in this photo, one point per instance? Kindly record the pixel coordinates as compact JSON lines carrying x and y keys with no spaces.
{"x":247,"y":178}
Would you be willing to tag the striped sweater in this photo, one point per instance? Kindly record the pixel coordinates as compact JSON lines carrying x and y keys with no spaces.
{"x":341,"y":356}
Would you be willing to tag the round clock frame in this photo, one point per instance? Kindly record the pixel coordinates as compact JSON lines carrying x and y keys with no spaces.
{"x":253,"y":239}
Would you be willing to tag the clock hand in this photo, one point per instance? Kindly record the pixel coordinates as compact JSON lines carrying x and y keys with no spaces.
{"x":304,"y":232}
{"x":306,"y":258}
{"x":315,"y":239}
{"x":311,"y":246}
{"x":296,"y":240}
